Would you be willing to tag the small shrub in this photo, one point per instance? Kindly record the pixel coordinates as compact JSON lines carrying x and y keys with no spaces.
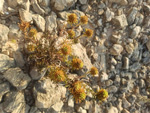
{"x":43,"y":53}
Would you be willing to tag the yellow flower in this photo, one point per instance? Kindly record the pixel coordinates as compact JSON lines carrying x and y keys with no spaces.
{"x":31,"y":47}
{"x":72,"y":18}
{"x":80,"y":95}
{"x":58,"y":75}
{"x":93,"y":71}
{"x":71,"y":33}
{"x":32,"y":32}
{"x":102,"y":94}
{"x":77,"y":85}
{"x":84,"y":19}
{"x":66,"y":49}
{"x":88,"y":33}
{"x":77,"y":64}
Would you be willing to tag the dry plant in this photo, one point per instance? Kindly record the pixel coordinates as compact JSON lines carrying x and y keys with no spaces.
{"x":43,"y":53}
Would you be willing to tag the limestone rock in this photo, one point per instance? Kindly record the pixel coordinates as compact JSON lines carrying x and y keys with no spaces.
{"x":4,"y":88}
{"x":112,"y":89}
{"x":77,"y":48}
{"x":83,"y":1}
{"x":25,"y":15}
{"x":146,"y":8}
{"x":44,"y":3}
{"x":56,"y":107}
{"x":63,"y":4}
{"x":39,"y":21}
{"x":35,"y":74}
{"x":112,"y":110}
{"x":120,"y":21}
{"x":17,"y":78}
{"x":46,"y":93}
{"x":109,"y":15}
{"x":13,"y":101}
{"x":129,"y":48}
{"x":3,"y":34}
{"x":125,"y":103}
{"x":148,"y":45}
{"x":132,"y":15}
{"x":121,"y":2}
{"x":103,"y":76}
{"x":116,"y":49}
{"x":18,"y":56}
{"x":134,"y":67}
{"x":14,"y":32}
{"x":51,"y":23}
{"x":1,"y":6}
{"x":12,"y":3}
{"x":135,"y":32}
{"x":37,"y":8}
{"x":5,"y":63}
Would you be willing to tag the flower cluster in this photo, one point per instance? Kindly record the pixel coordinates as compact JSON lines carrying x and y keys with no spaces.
{"x":42,"y":53}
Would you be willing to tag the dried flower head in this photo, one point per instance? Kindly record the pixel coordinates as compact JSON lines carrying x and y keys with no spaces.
{"x":84,"y":19}
{"x":93,"y":71}
{"x":57,"y":75}
{"x":24,"y":25}
{"x":72,"y":18}
{"x":80,"y":95}
{"x":76,"y":85}
{"x":88,"y":33}
{"x":31,"y":47}
{"x":66,"y":49}
{"x":71,"y":33}
{"x":32,"y":32}
{"x":102,"y":94}
{"x":76,"y":64}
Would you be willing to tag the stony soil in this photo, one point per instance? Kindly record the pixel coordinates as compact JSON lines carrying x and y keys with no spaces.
{"x":120,"y":49}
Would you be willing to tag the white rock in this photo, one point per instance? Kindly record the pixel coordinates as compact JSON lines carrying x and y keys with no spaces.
{"x":44,"y":3}
{"x":112,"y":110}
{"x":63,"y":4}
{"x":103,"y":76}
{"x":6,"y":62}
{"x":57,"y":107}
{"x":132,"y":15}
{"x":25,"y":15}
{"x":121,"y":2}
{"x":109,"y":15}
{"x":116,"y":49}
{"x":135,"y":32}
{"x":120,"y":21}
{"x":37,"y":8}
{"x":14,"y":102}
{"x":83,"y":1}
{"x":17,"y":55}
{"x":148,"y":45}
{"x":70,"y":102}
{"x":39,"y":21}
{"x":51,"y":23}
{"x":1,"y":6}
{"x":17,"y":78}
{"x":47,"y":93}
{"x":81,"y":110}
{"x":125,"y":103}
{"x":4,"y":88}
{"x":12,"y":3}
{"x":129,"y":48}
{"x":36,"y":74}
{"x":3,"y":34}
{"x":14,"y":32}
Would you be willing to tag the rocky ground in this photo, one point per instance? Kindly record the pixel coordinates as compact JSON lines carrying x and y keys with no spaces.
{"x":120,"y":49}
